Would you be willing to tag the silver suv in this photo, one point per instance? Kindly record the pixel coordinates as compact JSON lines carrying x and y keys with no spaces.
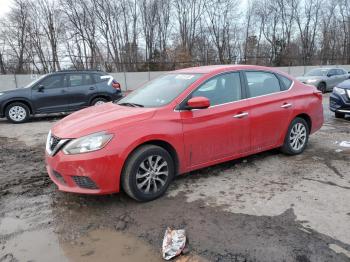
{"x":324,"y":78}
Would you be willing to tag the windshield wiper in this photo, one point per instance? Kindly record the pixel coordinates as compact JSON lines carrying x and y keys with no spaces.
{"x":131,"y":104}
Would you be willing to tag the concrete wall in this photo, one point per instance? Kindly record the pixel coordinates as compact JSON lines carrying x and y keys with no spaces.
{"x":132,"y":80}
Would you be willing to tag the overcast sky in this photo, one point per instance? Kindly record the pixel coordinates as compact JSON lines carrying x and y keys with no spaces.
{"x":4,"y":6}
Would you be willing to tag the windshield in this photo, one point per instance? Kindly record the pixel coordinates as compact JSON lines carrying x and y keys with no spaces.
{"x":317,"y":72}
{"x":34,"y":82}
{"x":160,"y":91}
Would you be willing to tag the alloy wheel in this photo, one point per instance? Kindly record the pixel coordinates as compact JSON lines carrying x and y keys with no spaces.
{"x":152,"y":174}
{"x":298,"y":136}
{"x":17,"y":113}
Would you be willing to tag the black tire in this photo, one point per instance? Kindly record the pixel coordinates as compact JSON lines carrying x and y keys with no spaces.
{"x":132,"y":167}
{"x":97,"y":100}
{"x":339,"y":115}
{"x":287,"y":147}
{"x":22,"y":115}
{"x":322,"y":87}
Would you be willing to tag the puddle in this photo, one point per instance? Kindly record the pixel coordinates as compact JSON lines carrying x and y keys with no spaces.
{"x":104,"y":245}
{"x":41,"y":245}
{"x":9,"y":225}
{"x":100,"y":245}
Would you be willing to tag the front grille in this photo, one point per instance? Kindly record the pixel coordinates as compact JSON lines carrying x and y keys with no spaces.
{"x":84,"y":182}
{"x":59,"y":177}
{"x":54,"y":142}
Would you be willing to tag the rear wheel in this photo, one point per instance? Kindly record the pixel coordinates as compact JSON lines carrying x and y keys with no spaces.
{"x":296,"y":138}
{"x":17,"y":113}
{"x":148,"y":173}
{"x":339,"y":115}
{"x":99,"y":101}
{"x":322,"y":87}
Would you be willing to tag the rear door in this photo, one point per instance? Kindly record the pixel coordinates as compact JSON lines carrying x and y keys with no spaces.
{"x":342,"y":75}
{"x":222,"y":130}
{"x":271,"y":107}
{"x":50,"y":95}
{"x":81,"y":89}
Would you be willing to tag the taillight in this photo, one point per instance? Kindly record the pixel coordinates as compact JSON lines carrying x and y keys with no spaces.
{"x":116,"y":85}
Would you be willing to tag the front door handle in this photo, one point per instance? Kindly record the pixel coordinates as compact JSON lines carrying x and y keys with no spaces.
{"x":286,"y":105}
{"x":241,"y":115}
{"x":92,"y":88}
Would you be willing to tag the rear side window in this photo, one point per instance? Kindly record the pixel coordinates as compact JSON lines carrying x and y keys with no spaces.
{"x":262,"y":83}
{"x":80,"y":79}
{"x":97,"y":78}
{"x":340,"y":72}
{"x":286,"y":82}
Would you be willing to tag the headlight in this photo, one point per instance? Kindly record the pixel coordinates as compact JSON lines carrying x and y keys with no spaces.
{"x":339,"y":91}
{"x":1,"y":94}
{"x":88,"y":143}
{"x":348,"y":91}
{"x":311,"y":80}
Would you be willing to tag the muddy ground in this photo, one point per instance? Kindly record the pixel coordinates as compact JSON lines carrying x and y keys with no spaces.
{"x":267,"y":207}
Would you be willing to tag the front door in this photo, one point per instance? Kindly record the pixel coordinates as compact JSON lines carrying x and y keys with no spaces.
{"x":222,"y":130}
{"x":50,"y":95}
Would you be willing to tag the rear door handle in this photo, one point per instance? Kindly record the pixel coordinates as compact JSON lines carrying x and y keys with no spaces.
{"x":286,"y":105}
{"x":241,"y":115}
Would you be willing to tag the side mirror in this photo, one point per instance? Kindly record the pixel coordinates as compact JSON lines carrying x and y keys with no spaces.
{"x":41,"y":88}
{"x":199,"y":102}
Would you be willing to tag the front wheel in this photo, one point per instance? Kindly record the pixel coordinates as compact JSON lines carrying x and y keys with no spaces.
{"x":17,"y":113}
{"x":296,"y":138}
{"x":148,"y":173}
{"x":322,"y":87}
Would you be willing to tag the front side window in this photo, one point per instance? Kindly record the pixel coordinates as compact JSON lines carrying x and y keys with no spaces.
{"x":160,"y":91}
{"x":262,"y":83}
{"x":332,"y":72}
{"x":52,"y":82}
{"x":221,"y":89}
{"x":317,"y":72}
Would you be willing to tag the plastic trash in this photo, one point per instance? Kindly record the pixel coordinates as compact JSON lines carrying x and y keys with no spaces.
{"x":345,"y":144}
{"x":173,"y":243}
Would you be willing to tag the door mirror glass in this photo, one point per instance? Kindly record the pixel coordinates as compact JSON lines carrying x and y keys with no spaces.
{"x":199,"y":102}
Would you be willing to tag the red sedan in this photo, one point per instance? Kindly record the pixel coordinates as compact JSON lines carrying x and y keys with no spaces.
{"x":181,"y":121}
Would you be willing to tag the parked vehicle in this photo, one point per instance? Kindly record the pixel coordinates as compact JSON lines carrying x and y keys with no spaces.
{"x":339,"y":100}
{"x":63,"y":91}
{"x":324,"y":78}
{"x":181,"y":121}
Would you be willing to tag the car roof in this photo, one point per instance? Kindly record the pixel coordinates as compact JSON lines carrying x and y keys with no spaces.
{"x":221,"y":68}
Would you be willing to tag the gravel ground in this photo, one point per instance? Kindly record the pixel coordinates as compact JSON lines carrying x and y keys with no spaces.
{"x":267,"y":207}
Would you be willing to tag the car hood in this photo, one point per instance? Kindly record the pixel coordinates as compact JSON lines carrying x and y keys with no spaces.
{"x":345,"y":84}
{"x":305,"y":78}
{"x":106,"y":117}
{"x":15,"y":92}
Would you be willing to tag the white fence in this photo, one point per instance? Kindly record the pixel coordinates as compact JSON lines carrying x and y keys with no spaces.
{"x":132,"y":80}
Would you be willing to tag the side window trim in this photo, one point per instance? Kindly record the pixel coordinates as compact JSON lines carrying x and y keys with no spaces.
{"x":181,"y":106}
{"x":281,"y":85}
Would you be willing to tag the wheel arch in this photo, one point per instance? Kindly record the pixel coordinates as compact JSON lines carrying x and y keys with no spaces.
{"x":307,"y":118}
{"x":105,"y":96}
{"x":161,"y":143}
{"x":19,"y":100}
